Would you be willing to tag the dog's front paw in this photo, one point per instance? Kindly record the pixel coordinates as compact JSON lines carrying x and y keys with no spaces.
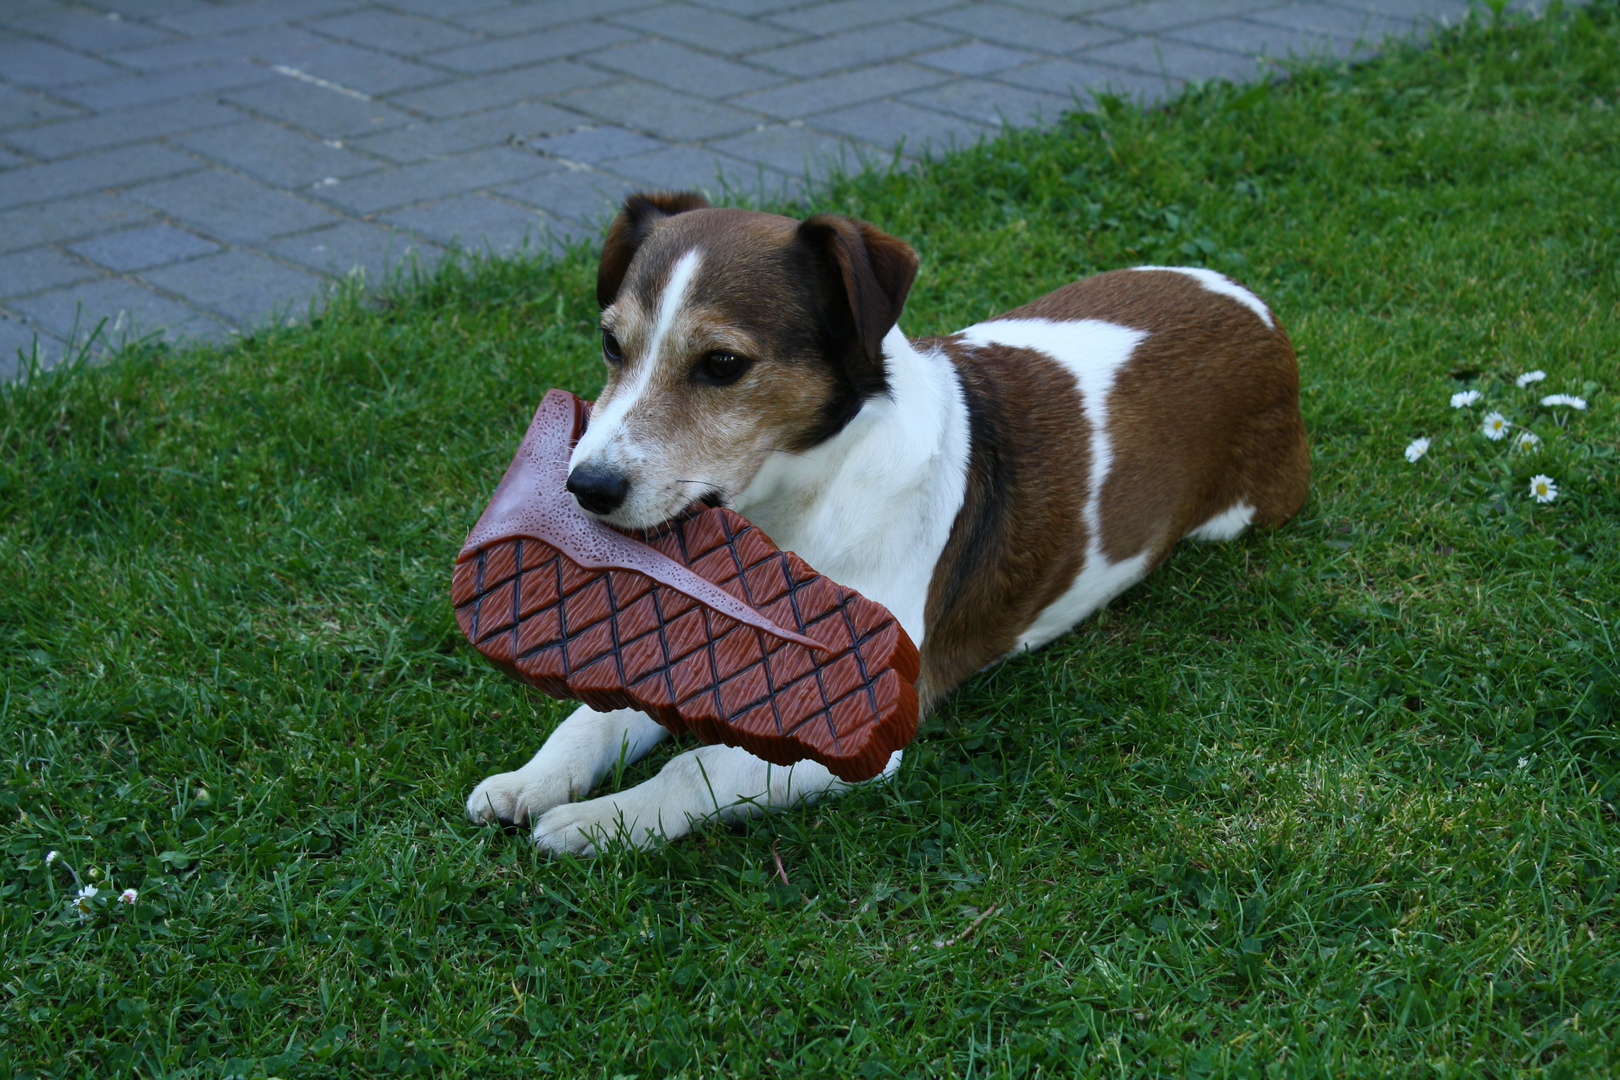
{"x":585,"y":827}
{"x":516,"y":798}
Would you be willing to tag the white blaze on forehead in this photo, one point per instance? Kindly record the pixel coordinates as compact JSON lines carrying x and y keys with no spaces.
{"x":1220,"y":283}
{"x":674,"y":298}
{"x":606,"y":421}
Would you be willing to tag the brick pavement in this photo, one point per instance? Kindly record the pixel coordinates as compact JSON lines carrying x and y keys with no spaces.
{"x":193,"y":168}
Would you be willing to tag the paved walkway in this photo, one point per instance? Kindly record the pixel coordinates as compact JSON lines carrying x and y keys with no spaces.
{"x":195,"y":168}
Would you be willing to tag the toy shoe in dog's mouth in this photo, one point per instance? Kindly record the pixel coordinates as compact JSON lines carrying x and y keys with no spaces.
{"x":702,"y":623}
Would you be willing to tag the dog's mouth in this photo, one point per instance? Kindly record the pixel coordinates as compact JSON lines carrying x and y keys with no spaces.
{"x":676,"y":502}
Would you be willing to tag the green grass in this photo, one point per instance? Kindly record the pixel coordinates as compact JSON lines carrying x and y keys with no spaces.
{"x":1336,"y":800}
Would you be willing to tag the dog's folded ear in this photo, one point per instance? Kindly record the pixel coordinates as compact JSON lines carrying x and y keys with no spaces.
{"x":874,"y":272}
{"x":641,"y":211}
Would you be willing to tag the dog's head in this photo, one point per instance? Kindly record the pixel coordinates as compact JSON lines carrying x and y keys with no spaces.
{"x":728,"y":335}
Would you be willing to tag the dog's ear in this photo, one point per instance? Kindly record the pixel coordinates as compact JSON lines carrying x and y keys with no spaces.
{"x":870,"y":273}
{"x":641,"y":211}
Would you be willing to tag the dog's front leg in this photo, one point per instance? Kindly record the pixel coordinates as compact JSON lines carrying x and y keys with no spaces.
{"x":576,"y":757}
{"x":710,"y":782}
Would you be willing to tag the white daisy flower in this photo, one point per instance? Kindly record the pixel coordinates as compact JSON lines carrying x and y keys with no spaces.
{"x":51,"y":856}
{"x":127,"y":896}
{"x":1564,"y":399}
{"x":1526,"y":440}
{"x":1416,"y":449}
{"x":1543,"y":489}
{"x":81,"y":902}
{"x":1495,"y":427}
{"x":1530,"y":377}
{"x":1464,"y":397}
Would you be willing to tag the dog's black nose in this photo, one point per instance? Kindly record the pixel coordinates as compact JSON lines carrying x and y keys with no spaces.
{"x":599,"y":488}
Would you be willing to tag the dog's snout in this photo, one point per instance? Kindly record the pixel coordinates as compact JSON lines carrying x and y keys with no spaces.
{"x":600,"y":489}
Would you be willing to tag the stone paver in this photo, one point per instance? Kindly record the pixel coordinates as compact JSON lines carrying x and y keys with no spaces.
{"x":195,"y":167}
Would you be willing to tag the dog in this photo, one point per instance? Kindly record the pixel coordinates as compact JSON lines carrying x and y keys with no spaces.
{"x":991,"y":488}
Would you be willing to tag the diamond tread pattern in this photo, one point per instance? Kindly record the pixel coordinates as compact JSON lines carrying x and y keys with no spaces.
{"x":617,"y":639}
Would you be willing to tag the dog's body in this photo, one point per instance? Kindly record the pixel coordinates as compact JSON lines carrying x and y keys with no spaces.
{"x":991,"y":488}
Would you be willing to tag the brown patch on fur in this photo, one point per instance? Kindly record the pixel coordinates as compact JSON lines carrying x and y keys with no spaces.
{"x":1203,"y":415}
{"x":1019,"y":539}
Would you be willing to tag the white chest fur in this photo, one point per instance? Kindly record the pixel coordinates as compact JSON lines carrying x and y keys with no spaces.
{"x":873,"y":506}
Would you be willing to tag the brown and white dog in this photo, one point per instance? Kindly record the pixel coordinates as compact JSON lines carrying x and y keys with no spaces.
{"x":991,"y":488}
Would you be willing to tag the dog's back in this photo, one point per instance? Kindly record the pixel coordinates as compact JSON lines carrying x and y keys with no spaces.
{"x":1108,"y":419}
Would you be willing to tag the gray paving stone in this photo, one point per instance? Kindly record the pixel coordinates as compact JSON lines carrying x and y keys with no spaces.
{"x":365,"y":70}
{"x":490,"y":91}
{"x":270,"y":44}
{"x":377,"y":250}
{"x":1157,"y":15}
{"x":976,"y":58}
{"x":687,"y":168}
{"x":526,"y":18}
{"x":86,"y":32}
{"x":406,"y":35}
{"x":891,"y":124}
{"x":593,"y":145}
{"x":645,"y":107}
{"x":325,"y":112}
{"x":140,"y":249}
{"x":1421,"y":12}
{"x":149,"y":11}
{"x":1367,"y":26}
{"x":753,"y":7}
{"x":222,"y":20}
{"x":102,"y":169}
{"x":431,"y":139}
{"x":1021,"y":29}
{"x":798,"y":99}
{"x":38,"y":269}
{"x":130,"y":312}
{"x":1082,"y":81}
{"x":229,"y":207}
{"x":672,"y":64}
{"x":449,"y":10}
{"x":850,"y":14}
{"x":715,"y":31}
{"x":791,"y":149}
{"x":243,"y":286}
{"x":994,"y":103}
{"x":147,"y":89}
{"x":531,"y":48}
{"x":68,"y":219}
{"x":41,"y":64}
{"x":275,"y":154}
{"x":437,"y":179}
{"x":476,"y":223}
{"x":1067,"y":8}
{"x":124,"y":126}
{"x":583,"y":197}
{"x":1270,"y":42}
{"x":19,"y":107}
{"x":854,"y":48}
{"x":1171,"y":59}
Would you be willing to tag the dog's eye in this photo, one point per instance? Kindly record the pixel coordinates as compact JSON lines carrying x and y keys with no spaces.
{"x":610,"y":347}
{"x":721,"y":368}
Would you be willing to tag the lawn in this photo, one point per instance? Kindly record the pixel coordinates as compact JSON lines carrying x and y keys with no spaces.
{"x":1336,"y":800}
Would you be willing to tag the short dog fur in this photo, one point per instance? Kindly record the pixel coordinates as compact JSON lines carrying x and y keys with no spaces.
{"x":991,"y":488}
